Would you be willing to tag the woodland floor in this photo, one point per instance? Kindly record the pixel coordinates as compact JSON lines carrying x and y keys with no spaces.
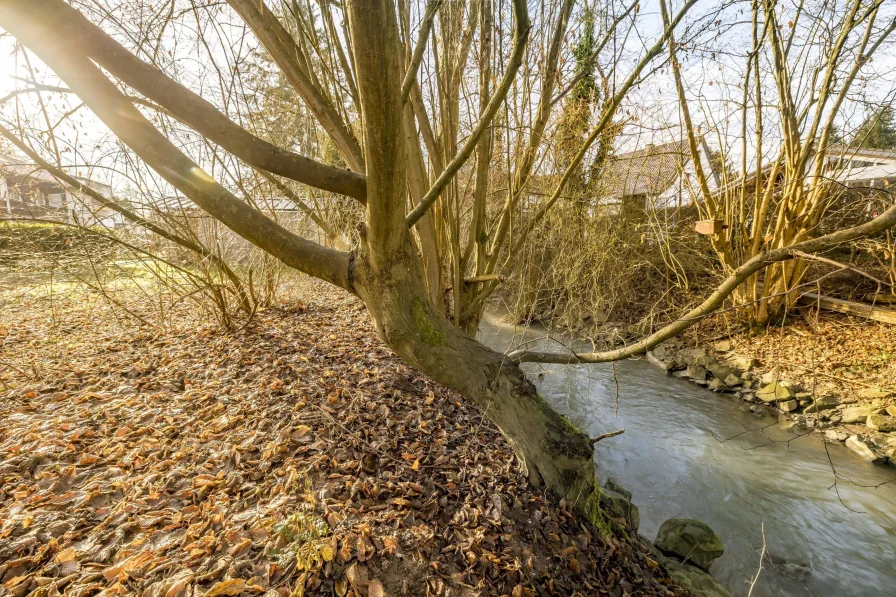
{"x":836,"y":354}
{"x":294,"y":456}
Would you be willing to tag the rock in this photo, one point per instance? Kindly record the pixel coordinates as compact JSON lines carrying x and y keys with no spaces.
{"x":692,"y":355}
{"x":891,"y":410}
{"x":748,"y":396}
{"x":884,"y":441}
{"x":681,"y":373}
{"x":747,"y":383}
{"x":697,"y":372}
{"x":835,"y":436}
{"x":870,"y":393}
{"x":774,"y":392}
{"x":891,"y":455}
{"x":861,"y":448}
{"x":792,"y":570}
{"x":723,"y":346}
{"x":856,"y":414}
{"x":696,"y":581}
{"x":881,"y":423}
{"x":721,"y":371}
{"x":613,"y":485}
{"x":772,"y":375}
{"x":659,"y":352}
{"x":789,"y":405}
{"x":689,"y":540}
{"x":742,"y":363}
{"x":820,"y":404}
{"x":658,"y":362}
{"x":618,"y":500}
{"x":733,"y":380}
{"x":717,"y":385}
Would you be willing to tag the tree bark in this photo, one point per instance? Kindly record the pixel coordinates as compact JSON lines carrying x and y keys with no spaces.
{"x":553,"y":453}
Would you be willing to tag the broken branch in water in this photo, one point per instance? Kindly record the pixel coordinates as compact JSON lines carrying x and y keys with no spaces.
{"x":594,"y":440}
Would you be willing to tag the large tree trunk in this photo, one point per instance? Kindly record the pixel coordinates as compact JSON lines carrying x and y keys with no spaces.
{"x":552,"y":451}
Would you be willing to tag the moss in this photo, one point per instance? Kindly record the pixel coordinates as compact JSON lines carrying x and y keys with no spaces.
{"x":594,"y":513}
{"x":599,"y":519}
{"x":422,"y":319}
{"x":572,"y":442}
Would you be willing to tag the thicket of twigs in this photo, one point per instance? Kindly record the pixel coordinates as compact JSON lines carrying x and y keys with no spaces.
{"x":612,"y":273}
{"x":620,"y":274}
{"x":143,"y":278}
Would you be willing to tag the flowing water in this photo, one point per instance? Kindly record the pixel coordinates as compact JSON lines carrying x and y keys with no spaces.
{"x":688,"y":452}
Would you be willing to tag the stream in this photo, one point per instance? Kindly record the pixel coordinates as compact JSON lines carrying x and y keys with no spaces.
{"x":688,"y":452}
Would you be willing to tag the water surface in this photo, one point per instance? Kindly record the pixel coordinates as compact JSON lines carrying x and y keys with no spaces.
{"x":688,"y":452}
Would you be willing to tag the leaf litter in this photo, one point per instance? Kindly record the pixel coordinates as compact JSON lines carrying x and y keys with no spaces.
{"x":297,"y":456}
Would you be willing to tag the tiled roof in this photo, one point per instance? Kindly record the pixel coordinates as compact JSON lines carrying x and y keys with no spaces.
{"x":648,"y":171}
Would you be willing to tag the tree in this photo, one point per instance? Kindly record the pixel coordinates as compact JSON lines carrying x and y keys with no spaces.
{"x":878,"y":131}
{"x":782,"y":197}
{"x":417,"y":214}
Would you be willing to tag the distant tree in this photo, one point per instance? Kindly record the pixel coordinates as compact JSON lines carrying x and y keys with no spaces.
{"x":836,"y":135}
{"x":878,"y":131}
{"x":575,"y":121}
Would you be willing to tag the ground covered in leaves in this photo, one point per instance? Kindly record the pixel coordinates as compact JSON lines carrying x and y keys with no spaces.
{"x":835,"y":354}
{"x":294,"y":456}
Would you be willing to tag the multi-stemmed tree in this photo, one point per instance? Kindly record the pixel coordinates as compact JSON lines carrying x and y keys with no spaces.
{"x":787,"y":119}
{"x":419,"y":158}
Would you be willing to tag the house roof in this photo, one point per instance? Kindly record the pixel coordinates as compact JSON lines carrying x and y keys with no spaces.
{"x":876,"y":167}
{"x":867,"y":176}
{"x":18,"y":167}
{"x":33,"y":172}
{"x":648,"y":171}
{"x":839,"y":150}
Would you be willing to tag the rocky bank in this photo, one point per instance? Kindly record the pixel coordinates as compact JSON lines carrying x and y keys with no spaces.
{"x":864,"y":420}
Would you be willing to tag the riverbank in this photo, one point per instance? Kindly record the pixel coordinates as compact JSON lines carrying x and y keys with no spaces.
{"x":294,"y":456}
{"x":832,"y":375}
{"x":823,"y":517}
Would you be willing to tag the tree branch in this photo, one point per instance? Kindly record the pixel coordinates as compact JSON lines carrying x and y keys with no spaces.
{"x":283,"y":49}
{"x":422,"y":36}
{"x":76,"y":185}
{"x":522,"y":26}
{"x":883,"y":222}
{"x":189,"y":107}
{"x":135,"y":131}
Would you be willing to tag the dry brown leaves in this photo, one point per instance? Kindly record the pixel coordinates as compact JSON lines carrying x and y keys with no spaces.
{"x":295,"y":457}
{"x":837,"y":353}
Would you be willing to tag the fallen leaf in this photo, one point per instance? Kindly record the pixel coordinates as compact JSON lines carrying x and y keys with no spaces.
{"x":233,"y":586}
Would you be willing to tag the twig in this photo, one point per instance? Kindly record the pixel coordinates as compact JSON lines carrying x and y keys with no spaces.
{"x":606,"y":435}
{"x":761,"y":558}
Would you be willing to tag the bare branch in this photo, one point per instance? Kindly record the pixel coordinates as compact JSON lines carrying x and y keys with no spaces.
{"x":604,"y":436}
{"x":883,"y":222}
{"x":521,"y":25}
{"x":128,"y":124}
{"x":422,"y":36}
{"x":283,"y":49}
{"x":189,"y":107}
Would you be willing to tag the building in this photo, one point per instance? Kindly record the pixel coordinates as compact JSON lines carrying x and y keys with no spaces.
{"x":27,"y":191}
{"x":859,"y":167}
{"x":656,"y":177}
